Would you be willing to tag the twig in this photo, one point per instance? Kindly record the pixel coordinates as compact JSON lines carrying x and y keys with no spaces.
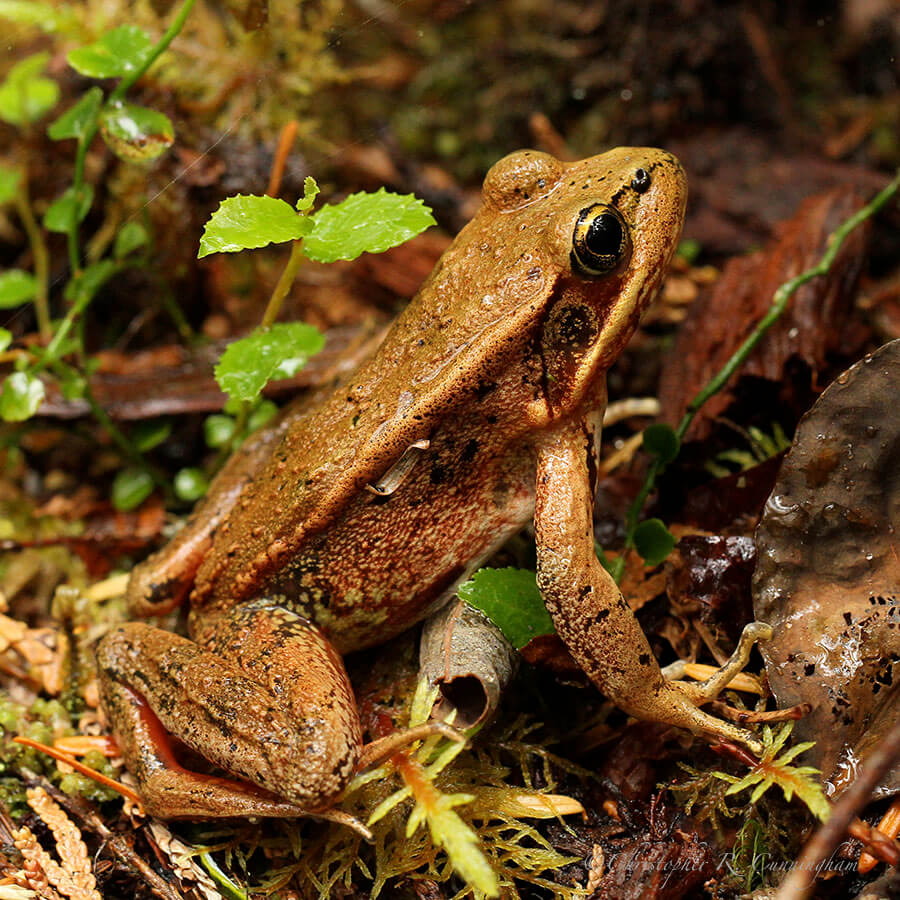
{"x":742,"y":716}
{"x":285,"y":140}
{"x":41,"y":258}
{"x":800,"y":879}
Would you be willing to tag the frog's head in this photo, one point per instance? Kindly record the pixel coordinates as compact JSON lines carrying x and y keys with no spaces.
{"x":597,"y":235}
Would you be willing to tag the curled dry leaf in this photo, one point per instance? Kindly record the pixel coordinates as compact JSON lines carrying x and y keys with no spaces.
{"x":469,"y":659}
{"x":828,"y":576}
{"x":813,"y":325}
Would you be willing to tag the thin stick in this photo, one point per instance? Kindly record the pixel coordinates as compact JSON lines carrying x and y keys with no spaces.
{"x":285,"y":141}
{"x":800,"y":879}
{"x":41,"y":259}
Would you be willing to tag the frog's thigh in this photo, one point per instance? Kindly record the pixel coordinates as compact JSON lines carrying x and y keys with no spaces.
{"x":588,"y":610}
{"x":282,"y":724}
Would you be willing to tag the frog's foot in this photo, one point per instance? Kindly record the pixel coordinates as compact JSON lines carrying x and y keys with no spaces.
{"x":379,"y":750}
{"x":277,"y":711}
{"x":710,"y":689}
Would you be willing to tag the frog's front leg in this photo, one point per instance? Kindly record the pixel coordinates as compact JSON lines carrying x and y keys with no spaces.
{"x":588,"y":610}
{"x":261,"y":694}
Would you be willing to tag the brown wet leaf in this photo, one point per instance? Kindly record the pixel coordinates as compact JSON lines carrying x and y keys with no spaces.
{"x":812,"y":326}
{"x":174,"y":380}
{"x":713,"y":574}
{"x":828,"y":576}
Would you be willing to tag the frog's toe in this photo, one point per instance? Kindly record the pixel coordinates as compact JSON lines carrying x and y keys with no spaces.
{"x":682,"y":711}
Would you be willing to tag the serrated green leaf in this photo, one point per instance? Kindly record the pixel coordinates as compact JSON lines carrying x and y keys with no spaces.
{"x":78,"y":119}
{"x":131,"y":236}
{"x":16,"y":287}
{"x":281,"y":351}
{"x":10,"y":182}
{"x":26,"y":95}
{"x":20,"y":397}
{"x":69,"y":209}
{"x":41,"y":15}
{"x":511,"y":600}
{"x":135,"y":133}
{"x":661,"y":441}
{"x":131,"y":487}
{"x":248,"y":222}
{"x":653,"y":541}
{"x":365,"y":223}
{"x":5,"y":338}
{"x":310,"y":192}
{"x":118,"y":52}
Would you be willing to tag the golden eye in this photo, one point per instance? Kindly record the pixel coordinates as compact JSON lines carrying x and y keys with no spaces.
{"x":600,"y":241}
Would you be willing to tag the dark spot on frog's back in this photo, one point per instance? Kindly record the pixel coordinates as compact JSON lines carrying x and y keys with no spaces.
{"x":469,"y":451}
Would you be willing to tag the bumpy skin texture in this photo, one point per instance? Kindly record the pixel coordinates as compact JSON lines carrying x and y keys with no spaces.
{"x":498,"y":363}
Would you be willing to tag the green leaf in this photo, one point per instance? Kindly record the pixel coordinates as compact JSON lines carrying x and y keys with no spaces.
{"x":365,"y":223}
{"x":249,"y":364}
{"x":247,"y":222}
{"x":261,"y":414}
{"x":25,"y":95}
{"x":69,"y":209}
{"x":131,"y":236}
{"x":41,"y":15}
{"x":20,"y":397}
{"x":118,"y":52}
{"x":511,"y":600}
{"x":653,"y":541}
{"x":136,"y":133}
{"x":131,"y":487}
{"x":5,"y":338}
{"x":661,"y":441}
{"x":150,"y":433}
{"x":16,"y":287}
{"x":72,"y":382}
{"x":79,"y":118}
{"x":84,"y":286}
{"x":10,"y":182}
{"x":310,"y":192}
{"x":190,"y":484}
{"x":218,"y":430}
{"x":689,"y":249}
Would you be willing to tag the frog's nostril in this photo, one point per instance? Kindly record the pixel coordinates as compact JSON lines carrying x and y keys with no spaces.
{"x":641,"y":180}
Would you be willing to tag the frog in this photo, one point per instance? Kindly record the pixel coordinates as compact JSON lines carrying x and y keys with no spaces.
{"x":358,"y":512}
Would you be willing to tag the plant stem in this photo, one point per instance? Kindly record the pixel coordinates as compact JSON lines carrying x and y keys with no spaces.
{"x":288,"y":275}
{"x":779,"y":303}
{"x":171,"y":33}
{"x":85,"y":140}
{"x":41,"y":259}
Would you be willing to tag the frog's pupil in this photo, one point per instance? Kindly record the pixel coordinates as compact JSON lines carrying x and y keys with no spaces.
{"x":604,"y":237}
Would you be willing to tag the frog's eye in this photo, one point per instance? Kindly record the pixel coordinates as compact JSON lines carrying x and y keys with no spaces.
{"x":600,"y":241}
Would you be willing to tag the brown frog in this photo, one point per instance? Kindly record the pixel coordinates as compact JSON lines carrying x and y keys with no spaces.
{"x":360,"y":511}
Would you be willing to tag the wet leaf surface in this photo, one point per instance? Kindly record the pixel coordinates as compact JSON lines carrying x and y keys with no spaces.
{"x":828,"y":574}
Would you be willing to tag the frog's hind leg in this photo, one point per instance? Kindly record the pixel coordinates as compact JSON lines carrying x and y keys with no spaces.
{"x":264,"y":696}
